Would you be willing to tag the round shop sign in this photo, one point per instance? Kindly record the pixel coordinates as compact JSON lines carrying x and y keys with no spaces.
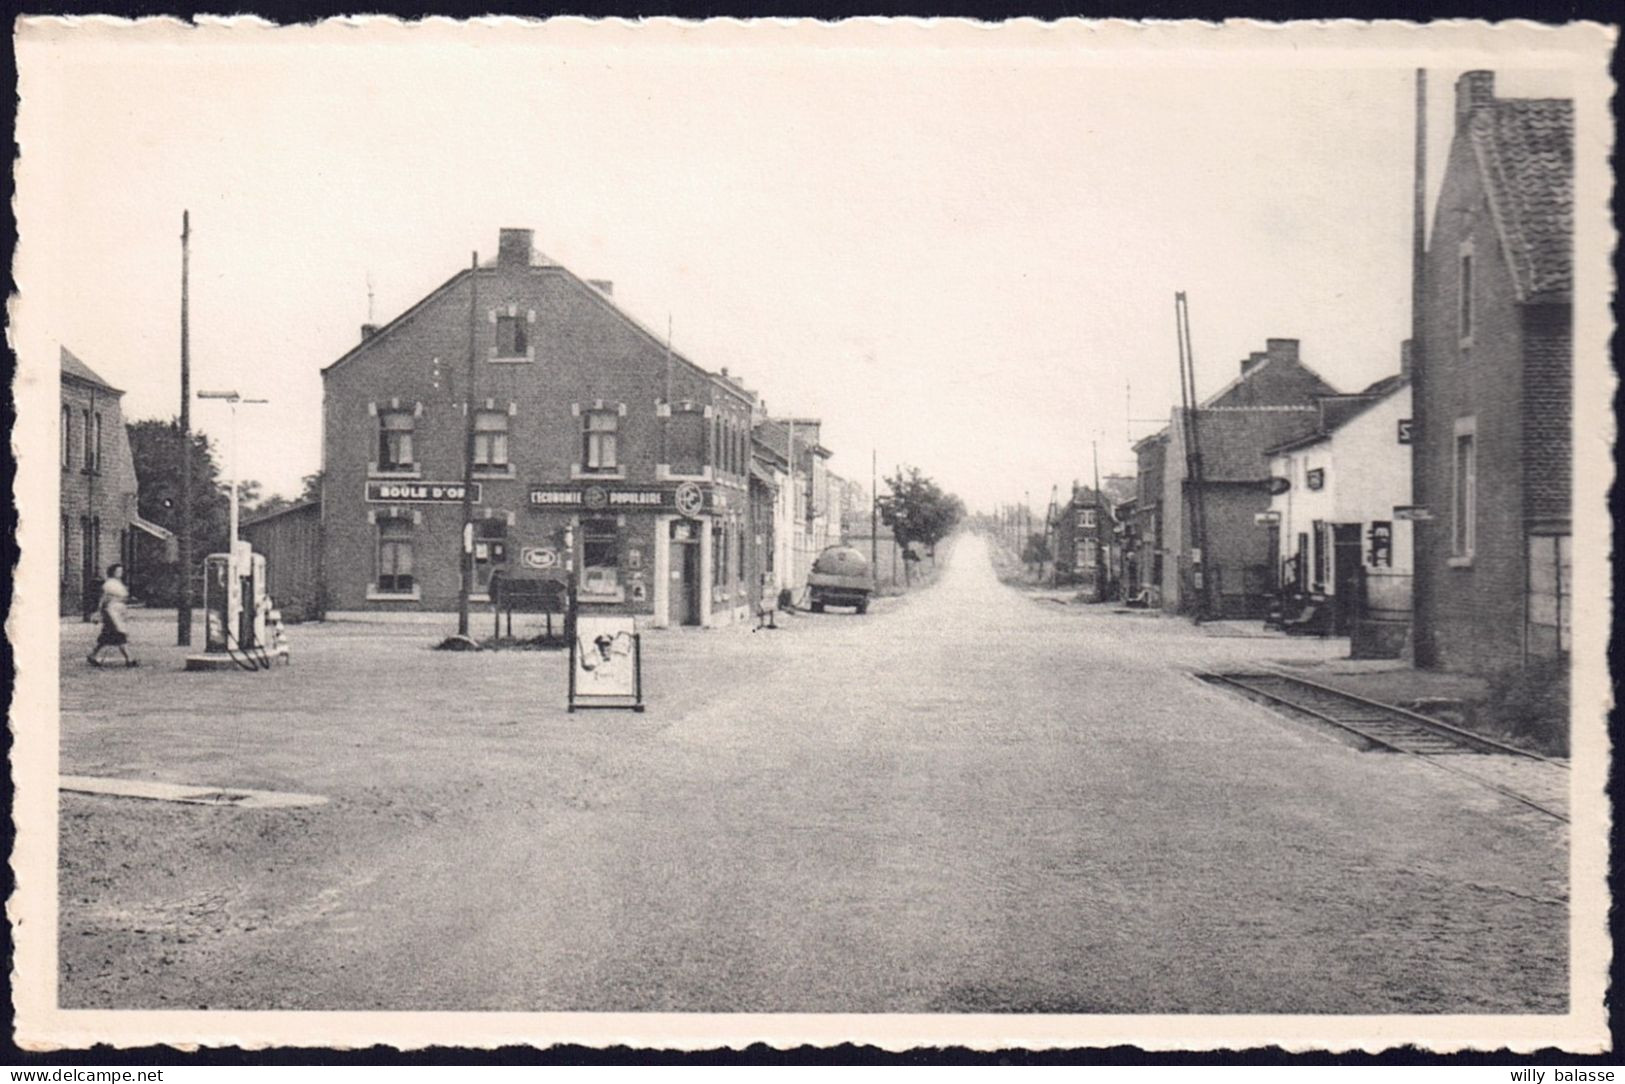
{"x":539,"y":557}
{"x":596,"y":497}
{"x":690,"y":500}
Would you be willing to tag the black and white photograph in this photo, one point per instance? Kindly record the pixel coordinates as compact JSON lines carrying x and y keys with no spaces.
{"x":905,"y":532}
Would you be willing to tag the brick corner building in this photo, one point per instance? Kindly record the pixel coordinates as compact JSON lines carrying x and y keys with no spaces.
{"x":1494,"y":388}
{"x":594,"y":443}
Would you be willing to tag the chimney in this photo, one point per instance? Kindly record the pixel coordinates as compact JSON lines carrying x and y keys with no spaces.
{"x":1474,"y":90}
{"x":368,"y":331}
{"x":1284,"y":351}
{"x":1407,"y":358}
{"x":514,"y":248}
{"x":603,"y":286}
{"x":1251,"y":360}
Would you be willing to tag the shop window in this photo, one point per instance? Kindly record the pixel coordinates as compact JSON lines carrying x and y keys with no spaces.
{"x":491,"y":439}
{"x":395,"y":557}
{"x":685,"y":442}
{"x":395,"y":429}
{"x":67,"y":437}
{"x":513,"y":339}
{"x":600,"y":557}
{"x":490,"y":551}
{"x":1464,"y":503}
{"x":600,"y":430}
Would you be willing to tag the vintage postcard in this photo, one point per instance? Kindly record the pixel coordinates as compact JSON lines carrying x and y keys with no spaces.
{"x":1075,"y":533}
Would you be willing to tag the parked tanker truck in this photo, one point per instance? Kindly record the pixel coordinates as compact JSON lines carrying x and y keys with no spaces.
{"x":840,"y":577}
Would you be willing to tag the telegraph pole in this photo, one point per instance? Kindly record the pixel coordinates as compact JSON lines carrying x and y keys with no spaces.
{"x":1421,"y":602}
{"x":183,"y":609}
{"x":468,"y":452}
{"x":874,"y":512}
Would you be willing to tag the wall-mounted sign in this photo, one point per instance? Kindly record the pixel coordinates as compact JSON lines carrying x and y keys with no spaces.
{"x":418,"y":492}
{"x":689,"y":499}
{"x":1404,"y":430}
{"x":1414,"y":512}
{"x":1278,"y":486}
{"x":1267,"y":518}
{"x":1315,"y":479}
{"x":1382,"y":544}
{"x":686,"y":498}
{"x":540,"y":558}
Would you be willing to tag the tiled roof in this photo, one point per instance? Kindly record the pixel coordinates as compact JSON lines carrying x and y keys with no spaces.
{"x":1233,"y":440}
{"x":72,"y":366}
{"x":1525,"y":148}
{"x":1337,"y":411}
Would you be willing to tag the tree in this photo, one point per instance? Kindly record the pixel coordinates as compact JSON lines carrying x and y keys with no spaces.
{"x":1037,"y":551}
{"x":310,"y":490}
{"x":155,"y":447}
{"x":917,"y":510}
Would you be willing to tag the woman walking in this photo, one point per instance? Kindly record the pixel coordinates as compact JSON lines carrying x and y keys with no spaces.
{"x":114,"y":624}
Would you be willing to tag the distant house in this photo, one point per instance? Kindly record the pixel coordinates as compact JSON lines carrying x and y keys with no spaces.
{"x":1085,"y":544}
{"x":1336,"y":541}
{"x":1145,"y":521}
{"x":1215,"y":555}
{"x":1494,"y":388}
{"x":814,"y":511}
{"x":99,"y":524}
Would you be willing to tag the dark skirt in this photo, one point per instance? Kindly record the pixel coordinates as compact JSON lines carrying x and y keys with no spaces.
{"x":111,"y":637}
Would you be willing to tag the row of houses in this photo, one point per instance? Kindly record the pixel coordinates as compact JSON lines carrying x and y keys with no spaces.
{"x":1428,"y":513}
{"x":668,"y":489}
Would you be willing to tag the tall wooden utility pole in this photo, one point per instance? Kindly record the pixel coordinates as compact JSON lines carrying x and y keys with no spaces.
{"x":1421,"y":608}
{"x":874,"y":513}
{"x":183,"y":608}
{"x":1193,"y":455}
{"x":468,"y":452}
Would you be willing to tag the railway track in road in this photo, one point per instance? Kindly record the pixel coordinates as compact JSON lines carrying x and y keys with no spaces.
{"x":1535,"y":781}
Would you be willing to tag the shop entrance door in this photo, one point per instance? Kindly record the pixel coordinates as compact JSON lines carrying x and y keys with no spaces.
{"x":684,"y":596}
{"x":1346,"y":555}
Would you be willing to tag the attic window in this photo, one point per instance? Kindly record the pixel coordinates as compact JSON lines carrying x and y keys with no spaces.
{"x":513,"y":340}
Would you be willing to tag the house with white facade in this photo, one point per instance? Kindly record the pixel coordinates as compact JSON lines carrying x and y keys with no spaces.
{"x":1340,"y":548}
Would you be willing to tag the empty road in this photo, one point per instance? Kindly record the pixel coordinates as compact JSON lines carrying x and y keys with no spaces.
{"x":965,"y":801}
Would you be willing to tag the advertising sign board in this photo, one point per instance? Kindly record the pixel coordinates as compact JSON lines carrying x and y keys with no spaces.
{"x":606,"y":664}
{"x":685,"y":498}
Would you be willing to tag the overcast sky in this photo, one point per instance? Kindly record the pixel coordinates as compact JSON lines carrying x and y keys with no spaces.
{"x":960,"y":257}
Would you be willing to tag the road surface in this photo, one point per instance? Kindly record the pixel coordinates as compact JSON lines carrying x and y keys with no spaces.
{"x":966,"y":801}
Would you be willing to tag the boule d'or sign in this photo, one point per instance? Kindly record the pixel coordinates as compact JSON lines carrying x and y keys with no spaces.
{"x":415,"y":492}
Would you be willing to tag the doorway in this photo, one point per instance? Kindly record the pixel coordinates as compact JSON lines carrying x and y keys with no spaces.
{"x":1346,"y":560}
{"x":684,"y":596}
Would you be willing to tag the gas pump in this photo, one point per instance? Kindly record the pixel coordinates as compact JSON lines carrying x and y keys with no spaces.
{"x":235,"y":606}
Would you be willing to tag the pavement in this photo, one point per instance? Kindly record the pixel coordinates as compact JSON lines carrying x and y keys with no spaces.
{"x":965,"y":801}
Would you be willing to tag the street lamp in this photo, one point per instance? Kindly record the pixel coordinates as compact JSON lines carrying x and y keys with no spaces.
{"x":231,"y":398}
